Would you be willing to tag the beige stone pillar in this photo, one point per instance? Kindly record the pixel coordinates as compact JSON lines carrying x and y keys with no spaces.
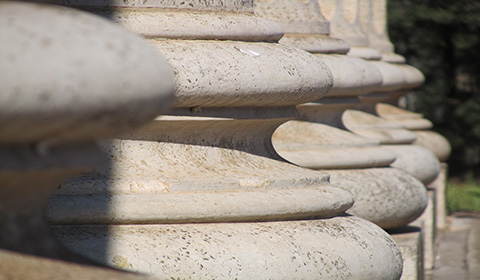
{"x":320,"y":141}
{"x":346,"y":23}
{"x":67,"y":78}
{"x":377,"y":32}
{"x":310,"y":145}
{"x":201,"y":192}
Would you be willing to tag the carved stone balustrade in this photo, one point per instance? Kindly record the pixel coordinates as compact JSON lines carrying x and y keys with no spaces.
{"x":67,"y":78}
{"x":375,"y":26}
{"x":386,"y":196}
{"x":201,"y":192}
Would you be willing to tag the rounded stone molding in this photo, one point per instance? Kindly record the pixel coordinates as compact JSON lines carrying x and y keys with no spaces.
{"x":410,"y":120}
{"x":72,"y":78}
{"x":352,"y":76}
{"x":66,"y":82}
{"x":319,"y":146}
{"x":268,"y":250}
{"x":304,"y":26}
{"x":434,"y":142}
{"x":295,"y":17}
{"x":208,"y":167}
{"x":419,"y":161}
{"x":238,"y":74}
{"x":388,"y":197}
{"x":373,"y":127}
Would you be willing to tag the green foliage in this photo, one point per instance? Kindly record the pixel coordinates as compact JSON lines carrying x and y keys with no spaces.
{"x":442,"y":38}
{"x":463,"y":197}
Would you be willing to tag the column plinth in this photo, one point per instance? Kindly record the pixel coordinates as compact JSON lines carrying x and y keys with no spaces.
{"x":320,"y":140}
{"x":201,"y":192}
{"x":66,"y":82}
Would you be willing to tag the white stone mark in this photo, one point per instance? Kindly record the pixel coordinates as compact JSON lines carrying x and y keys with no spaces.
{"x":248,"y":52}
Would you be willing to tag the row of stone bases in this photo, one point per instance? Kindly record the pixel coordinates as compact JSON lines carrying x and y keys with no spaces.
{"x":224,"y":184}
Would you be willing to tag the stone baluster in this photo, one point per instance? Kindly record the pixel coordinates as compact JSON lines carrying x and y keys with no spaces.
{"x":351,"y":15}
{"x":311,"y":145}
{"x":67,"y":78}
{"x":375,"y":27}
{"x":201,"y":192}
{"x":436,"y":143}
{"x":320,"y":141}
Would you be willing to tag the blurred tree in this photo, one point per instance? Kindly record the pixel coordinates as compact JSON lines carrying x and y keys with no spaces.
{"x":442,"y":39}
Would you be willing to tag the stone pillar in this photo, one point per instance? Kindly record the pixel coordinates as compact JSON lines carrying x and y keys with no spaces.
{"x":320,"y":141}
{"x":377,"y":32}
{"x":312,"y":145}
{"x":67,"y":79}
{"x":375,"y":27}
{"x":201,"y":192}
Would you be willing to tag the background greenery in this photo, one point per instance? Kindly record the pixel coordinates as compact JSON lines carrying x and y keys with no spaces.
{"x":442,"y":39}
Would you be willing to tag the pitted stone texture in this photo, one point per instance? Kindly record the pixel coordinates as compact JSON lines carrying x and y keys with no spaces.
{"x":295,"y":17}
{"x":416,"y":160}
{"x":410,"y":120}
{"x":320,"y":146}
{"x":373,"y":127}
{"x":315,"y":43}
{"x":67,"y":75}
{"x":190,"y":166}
{"x":434,"y":142}
{"x":373,"y":22}
{"x":177,"y":24}
{"x":351,"y":76}
{"x":16,"y":266}
{"x":344,"y":24}
{"x":388,"y":197}
{"x":236,"y":74}
{"x":336,"y":248}
{"x":211,"y":5}
{"x":303,"y":23}
{"x":344,"y":21}
{"x":226,"y":206}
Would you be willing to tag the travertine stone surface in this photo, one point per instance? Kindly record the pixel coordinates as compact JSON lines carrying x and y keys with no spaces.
{"x":304,"y":26}
{"x":410,"y":120}
{"x":319,"y":146}
{"x":66,"y":81}
{"x":239,"y":74}
{"x":64,"y":69}
{"x":373,"y":127}
{"x":295,"y":17}
{"x":320,"y":139}
{"x":219,"y":20}
{"x":393,"y":78}
{"x":373,"y":23}
{"x":352,"y":76}
{"x":336,"y":248}
{"x":200,"y":170}
{"x":207,"y":176}
{"x":433,"y":141}
{"x":344,"y":18}
{"x":417,"y":160}
{"x":389,"y":197}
